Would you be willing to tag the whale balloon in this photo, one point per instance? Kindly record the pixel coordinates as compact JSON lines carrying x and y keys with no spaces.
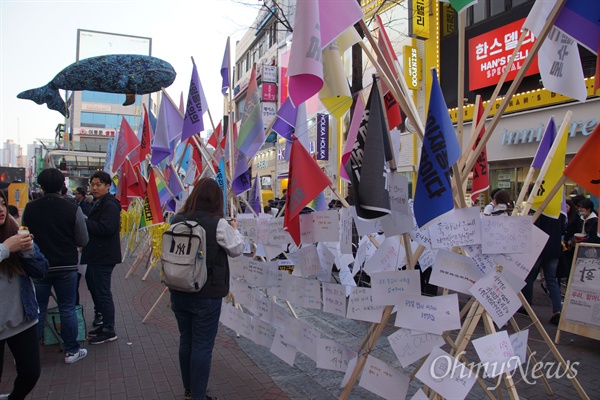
{"x":129,"y":74}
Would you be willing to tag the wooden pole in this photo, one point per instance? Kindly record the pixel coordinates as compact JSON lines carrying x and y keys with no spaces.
{"x":164,"y":292}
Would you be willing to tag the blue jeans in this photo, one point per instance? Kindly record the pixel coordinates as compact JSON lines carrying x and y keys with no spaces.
{"x":65,"y":288}
{"x":198,"y":322}
{"x":549,"y":266}
{"x":98,"y":278}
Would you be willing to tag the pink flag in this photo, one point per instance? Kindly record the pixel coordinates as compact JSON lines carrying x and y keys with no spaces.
{"x":305,"y":69}
{"x":126,"y":143}
{"x":359,"y":110}
{"x":336,"y":16}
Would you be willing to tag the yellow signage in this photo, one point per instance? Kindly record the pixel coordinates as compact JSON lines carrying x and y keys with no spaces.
{"x":418,"y":20}
{"x":412,"y":67}
{"x":523,"y":101}
{"x":448,"y":19}
{"x":18,"y":195}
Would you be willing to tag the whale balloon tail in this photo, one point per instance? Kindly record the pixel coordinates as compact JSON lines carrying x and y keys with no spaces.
{"x":48,"y":95}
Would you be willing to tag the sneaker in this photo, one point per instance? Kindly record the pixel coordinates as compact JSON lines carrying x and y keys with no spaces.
{"x":98,"y":320}
{"x":544,"y":288}
{"x":95,"y":332}
{"x":211,"y":398}
{"x":70,"y":358}
{"x":187,"y":395}
{"x":5,"y":396}
{"x":103,"y":337}
{"x":555,"y":319}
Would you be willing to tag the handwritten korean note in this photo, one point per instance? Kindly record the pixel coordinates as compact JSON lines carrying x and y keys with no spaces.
{"x":388,"y":257}
{"x":457,"y":228}
{"x":454,"y":271}
{"x":521,"y":263}
{"x":334,"y":299}
{"x":345,"y":231}
{"x":383,"y":380}
{"x":276,"y":234}
{"x":256,"y":274}
{"x":263,"y":333}
{"x":429,"y":314}
{"x":326,"y":226}
{"x":282,"y":348}
{"x":247,"y":227}
{"x":497,"y":297}
{"x":496,"y":353}
{"x":398,"y":189}
{"x":506,"y":234}
{"x":308,"y":261}
{"x":389,"y":287}
{"x":361,"y":306}
{"x":332,"y":355}
{"x":518,"y":342}
{"x":450,"y":378}
{"x":312,"y":294}
{"x":410,"y":348}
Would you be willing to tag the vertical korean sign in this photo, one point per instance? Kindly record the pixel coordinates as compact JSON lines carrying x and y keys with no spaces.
{"x":322,"y":136}
{"x":418,"y":25}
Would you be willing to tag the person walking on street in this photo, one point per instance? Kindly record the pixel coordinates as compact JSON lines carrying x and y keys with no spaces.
{"x":58,"y":226}
{"x":20,"y":260}
{"x":198,"y":313}
{"x":101,"y":254}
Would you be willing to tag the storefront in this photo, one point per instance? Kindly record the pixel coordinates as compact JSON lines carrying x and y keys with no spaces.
{"x":515,"y":141}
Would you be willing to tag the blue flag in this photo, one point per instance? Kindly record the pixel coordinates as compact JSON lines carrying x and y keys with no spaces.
{"x":221,"y":180}
{"x":433,"y":196}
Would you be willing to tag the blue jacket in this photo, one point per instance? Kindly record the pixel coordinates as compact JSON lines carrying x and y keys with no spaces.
{"x":35,"y":267}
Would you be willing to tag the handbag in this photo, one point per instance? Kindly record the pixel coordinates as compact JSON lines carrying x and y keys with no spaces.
{"x":52,"y":327}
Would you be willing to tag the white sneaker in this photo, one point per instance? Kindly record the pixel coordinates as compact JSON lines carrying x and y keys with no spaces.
{"x":5,"y":396}
{"x":71,"y":358}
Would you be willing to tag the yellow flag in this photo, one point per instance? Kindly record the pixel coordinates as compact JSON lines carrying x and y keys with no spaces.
{"x":553,"y":174}
{"x":335,"y":94}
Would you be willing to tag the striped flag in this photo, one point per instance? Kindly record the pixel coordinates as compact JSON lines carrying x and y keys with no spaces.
{"x":152,"y":212}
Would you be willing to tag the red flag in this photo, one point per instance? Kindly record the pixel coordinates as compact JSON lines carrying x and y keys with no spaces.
{"x":152,"y":212}
{"x":126,"y":143}
{"x":392,"y":108}
{"x":146,"y":136}
{"x":121,"y":193}
{"x":141,"y":181}
{"x":304,"y":185}
{"x":481,"y":177}
{"x":197,"y":157}
{"x":216,"y":136}
{"x":584,"y":169}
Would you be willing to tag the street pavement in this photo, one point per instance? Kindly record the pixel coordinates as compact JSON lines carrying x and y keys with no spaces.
{"x":143,"y":362}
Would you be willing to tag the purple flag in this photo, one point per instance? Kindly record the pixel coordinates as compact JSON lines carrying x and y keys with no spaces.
{"x":195,"y":109}
{"x":580,"y":19}
{"x":225,"y":69}
{"x":545,"y":145}
{"x":241,"y":174}
{"x":285,"y":121}
{"x":254,"y":196}
{"x":168,"y":127}
{"x":174,"y":186}
{"x":251,"y":135}
{"x":222,"y":181}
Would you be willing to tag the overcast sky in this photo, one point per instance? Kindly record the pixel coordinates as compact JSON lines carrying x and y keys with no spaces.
{"x":38,"y":39}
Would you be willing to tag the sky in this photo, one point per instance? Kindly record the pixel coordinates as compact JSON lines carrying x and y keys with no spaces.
{"x":38,"y":39}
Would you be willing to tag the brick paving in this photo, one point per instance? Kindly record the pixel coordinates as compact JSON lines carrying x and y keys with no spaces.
{"x":143,"y":362}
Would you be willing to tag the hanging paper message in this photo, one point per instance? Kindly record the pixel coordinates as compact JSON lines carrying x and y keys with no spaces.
{"x":383,"y":380}
{"x":410,"y":348}
{"x":390,"y":287}
{"x":496,"y":354}
{"x":497,"y":297}
{"x":506,"y":234}
{"x":429,"y":314}
{"x":457,"y":228}
{"x":454,"y":271}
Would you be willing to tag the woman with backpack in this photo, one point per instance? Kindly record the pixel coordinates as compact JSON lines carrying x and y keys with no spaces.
{"x":198,"y":313}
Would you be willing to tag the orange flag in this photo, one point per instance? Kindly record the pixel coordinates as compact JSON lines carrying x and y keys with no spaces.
{"x":584,"y":169}
{"x":306,"y":181}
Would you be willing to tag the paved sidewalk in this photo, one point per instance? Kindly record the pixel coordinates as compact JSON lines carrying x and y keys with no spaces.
{"x":143,"y":362}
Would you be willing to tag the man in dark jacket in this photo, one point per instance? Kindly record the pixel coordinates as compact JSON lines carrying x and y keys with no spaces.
{"x":80,"y":196}
{"x":102,"y":253}
{"x":548,"y":262}
{"x":58,"y":226}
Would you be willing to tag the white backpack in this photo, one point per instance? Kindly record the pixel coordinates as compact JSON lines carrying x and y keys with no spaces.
{"x":184,"y":256}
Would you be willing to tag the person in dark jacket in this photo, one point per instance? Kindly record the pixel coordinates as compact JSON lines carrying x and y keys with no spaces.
{"x":548,"y":262}
{"x":18,"y":306}
{"x":80,"y":197}
{"x":198,"y":313}
{"x":101,"y":254}
{"x":58,"y":226}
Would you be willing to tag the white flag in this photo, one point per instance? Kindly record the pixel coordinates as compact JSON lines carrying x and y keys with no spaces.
{"x":560,"y":65}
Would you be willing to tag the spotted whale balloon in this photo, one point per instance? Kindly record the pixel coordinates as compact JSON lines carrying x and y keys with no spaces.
{"x":129,"y":74}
